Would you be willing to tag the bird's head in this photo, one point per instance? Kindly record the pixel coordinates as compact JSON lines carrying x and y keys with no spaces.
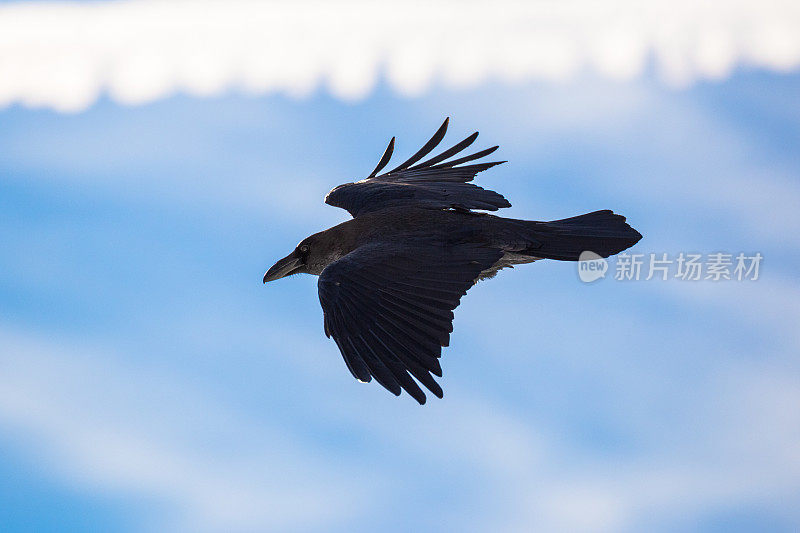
{"x":297,"y":262}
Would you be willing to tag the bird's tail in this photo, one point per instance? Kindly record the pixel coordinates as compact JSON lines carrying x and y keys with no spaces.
{"x":602,"y":232}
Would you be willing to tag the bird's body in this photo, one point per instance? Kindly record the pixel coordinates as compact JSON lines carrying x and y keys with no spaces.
{"x":518,"y":240}
{"x":400,"y":227}
{"x":391,"y":277}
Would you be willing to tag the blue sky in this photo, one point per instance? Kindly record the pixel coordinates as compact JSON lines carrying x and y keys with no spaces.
{"x":151,"y":382}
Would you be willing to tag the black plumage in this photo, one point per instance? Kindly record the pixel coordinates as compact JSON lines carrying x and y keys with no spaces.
{"x":390,"y":278}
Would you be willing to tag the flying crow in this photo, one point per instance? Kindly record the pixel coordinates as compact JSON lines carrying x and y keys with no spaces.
{"x":390,"y":278}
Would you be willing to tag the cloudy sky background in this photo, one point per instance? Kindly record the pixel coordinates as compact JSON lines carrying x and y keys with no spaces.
{"x":157,"y":157}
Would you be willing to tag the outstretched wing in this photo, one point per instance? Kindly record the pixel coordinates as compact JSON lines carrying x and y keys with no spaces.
{"x":390,"y":309}
{"x":435,"y":183}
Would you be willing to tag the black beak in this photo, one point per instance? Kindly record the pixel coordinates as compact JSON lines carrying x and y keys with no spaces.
{"x":283,"y":268}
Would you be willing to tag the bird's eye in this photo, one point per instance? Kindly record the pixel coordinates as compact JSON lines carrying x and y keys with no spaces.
{"x":304,"y":248}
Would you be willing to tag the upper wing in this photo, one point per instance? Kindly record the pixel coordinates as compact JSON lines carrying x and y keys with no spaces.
{"x":435,"y":183}
{"x":390,"y":309}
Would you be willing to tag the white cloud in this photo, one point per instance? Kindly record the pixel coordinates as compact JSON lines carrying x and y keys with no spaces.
{"x":134,"y":428}
{"x":105,"y":425}
{"x":64,"y":55}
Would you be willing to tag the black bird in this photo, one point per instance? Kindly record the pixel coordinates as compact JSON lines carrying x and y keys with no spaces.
{"x":390,"y":278}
